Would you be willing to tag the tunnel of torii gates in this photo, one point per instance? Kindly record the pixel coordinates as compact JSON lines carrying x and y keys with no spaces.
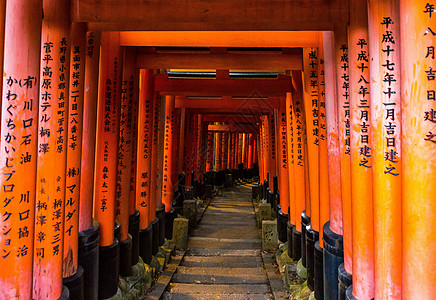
{"x":102,"y":138}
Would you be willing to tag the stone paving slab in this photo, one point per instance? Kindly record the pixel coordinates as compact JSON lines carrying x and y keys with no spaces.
{"x":179,"y":296}
{"x":220,"y":279}
{"x":233,"y":271}
{"x":219,"y":288}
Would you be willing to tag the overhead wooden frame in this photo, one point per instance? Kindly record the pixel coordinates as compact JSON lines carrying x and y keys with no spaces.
{"x":230,"y":118}
{"x":217,"y":15}
{"x":247,"y":39}
{"x":292,"y":60}
{"x":249,"y":88}
{"x":234,"y":128}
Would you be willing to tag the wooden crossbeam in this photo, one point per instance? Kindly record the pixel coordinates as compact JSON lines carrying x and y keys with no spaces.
{"x":233,"y":128}
{"x":249,"y":15}
{"x":251,"y":88}
{"x":231,"y":118}
{"x":248,"y":39}
{"x":232,"y":61}
{"x":232,"y":104}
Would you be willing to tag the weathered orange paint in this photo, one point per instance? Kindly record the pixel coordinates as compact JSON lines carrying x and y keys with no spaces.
{"x":417,"y":25}
{"x":218,"y":148}
{"x":324,"y":194}
{"x":299,"y":152}
{"x":52,"y":154}
{"x":385,"y":113}
{"x":155,"y":201}
{"x":250,"y":150}
{"x":107,"y":135}
{"x":143,"y":155}
{"x":361,"y":153}
{"x":224,"y":147}
{"x":311,"y":109}
{"x":343,"y":95}
{"x":125,"y":143}
{"x":167,"y":184}
{"x":209,"y":159}
{"x":334,"y":158}
{"x":283,"y":158}
{"x":18,"y":146}
{"x":199,"y":146}
{"x":134,"y":144}
{"x":89,"y":127}
{"x":74,"y":148}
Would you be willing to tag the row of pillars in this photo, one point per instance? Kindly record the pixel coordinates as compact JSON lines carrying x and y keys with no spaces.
{"x":355,"y":146}
{"x":90,"y":156}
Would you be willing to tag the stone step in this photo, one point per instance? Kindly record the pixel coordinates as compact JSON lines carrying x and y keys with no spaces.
{"x":259,"y":271}
{"x":216,"y":243}
{"x":224,"y":252}
{"x":180,"y":296}
{"x":219,"y":288}
{"x":222,"y":261}
{"x":220,"y":279}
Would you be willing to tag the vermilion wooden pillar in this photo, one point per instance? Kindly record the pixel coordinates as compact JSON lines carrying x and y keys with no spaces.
{"x":332,"y":230}
{"x":250,"y":150}
{"x":343,"y":94}
{"x":199,"y":147}
{"x":167,"y":185}
{"x":187,"y":147}
{"x":361,"y":153}
{"x":88,"y":227}
{"x":224,"y":150}
{"x":134,"y":144}
{"x":291,"y":152}
{"x":209,"y":159}
{"x":311,"y":108}
{"x":218,"y":148}
{"x":88,"y":133}
{"x":74,"y":150}
{"x":384,"y":33}
{"x":299,"y":147}
{"x":240,"y":143}
{"x":334,"y":164}
{"x":273,"y":143}
{"x":106,"y":159}
{"x":417,"y":24}
{"x":122,"y":210}
{"x":107,"y":136}
{"x":324,"y":197}
{"x":52,"y":154}
{"x":18,"y":147}
{"x":283,"y":158}
{"x":2,"y":39}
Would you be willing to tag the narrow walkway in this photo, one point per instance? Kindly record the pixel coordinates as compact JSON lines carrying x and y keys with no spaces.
{"x":224,"y":260}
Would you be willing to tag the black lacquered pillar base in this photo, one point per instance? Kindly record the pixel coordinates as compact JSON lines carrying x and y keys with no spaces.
{"x":146,"y":244}
{"x":333,"y":257}
{"x":89,"y":259}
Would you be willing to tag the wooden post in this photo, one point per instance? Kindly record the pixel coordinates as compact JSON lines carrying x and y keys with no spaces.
{"x":324,"y":197}
{"x":74,"y":150}
{"x":361,"y":153}
{"x":209,"y":159}
{"x":283,"y":158}
{"x":108,"y":114}
{"x":343,"y":94}
{"x":417,"y":25}
{"x":299,"y":147}
{"x":291,"y":139}
{"x":52,"y":153}
{"x":88,"y":133}
{"x":167,"y":184}
{"x":143,"y":155}
{"x":311,"y":108}
{"x":18,"y":147}
{"x":107,"y":135}
{"x":122,"y":210}
{"x":384,"y":33}
{"x":332,"y":109}
{"x":134,"y":144}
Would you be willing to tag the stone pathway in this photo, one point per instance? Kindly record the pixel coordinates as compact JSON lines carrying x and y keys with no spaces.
{"x":224,"y":259}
